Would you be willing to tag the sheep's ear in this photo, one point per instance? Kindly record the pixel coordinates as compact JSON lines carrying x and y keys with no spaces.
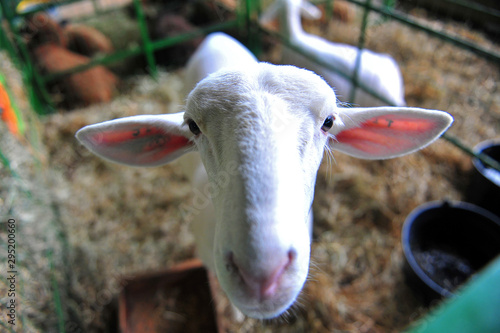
{"x":138,"y":140}
{"x":386,"y":132}
{"x":310,"y":11}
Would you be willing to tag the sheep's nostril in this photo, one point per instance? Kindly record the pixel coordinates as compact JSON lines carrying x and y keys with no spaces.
{"x":266,"y":283}
{"x":292,"y":255}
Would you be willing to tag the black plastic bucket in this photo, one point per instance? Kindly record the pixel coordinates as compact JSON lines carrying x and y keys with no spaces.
{"x":445,"y":243}
{"x":484,"y":188}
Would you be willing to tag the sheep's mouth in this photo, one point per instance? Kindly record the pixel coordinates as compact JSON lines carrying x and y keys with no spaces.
{"x":268,"y":308}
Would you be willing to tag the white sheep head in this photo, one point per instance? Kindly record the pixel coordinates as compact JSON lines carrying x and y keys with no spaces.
{"x":266,"y":127}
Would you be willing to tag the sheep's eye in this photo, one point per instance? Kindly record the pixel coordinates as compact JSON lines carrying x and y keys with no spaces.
{"x":193,"y":127}
{"x":328,"y":123}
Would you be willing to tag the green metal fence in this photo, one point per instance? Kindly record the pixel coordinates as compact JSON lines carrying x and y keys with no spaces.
{"x":247,"y":14}
{"x":10,"y":39}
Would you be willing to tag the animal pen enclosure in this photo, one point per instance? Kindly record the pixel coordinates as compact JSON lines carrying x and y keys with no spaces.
{"x":83,"y":223}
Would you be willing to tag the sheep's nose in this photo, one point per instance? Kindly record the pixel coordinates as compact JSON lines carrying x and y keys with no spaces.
{"x":262,"y":283}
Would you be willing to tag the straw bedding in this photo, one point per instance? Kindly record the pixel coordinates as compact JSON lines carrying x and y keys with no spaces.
{"x":113,"y":220}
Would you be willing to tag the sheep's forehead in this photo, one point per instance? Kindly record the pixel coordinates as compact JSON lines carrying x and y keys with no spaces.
{"x":293,"y":83}
{"x":225,"y":94}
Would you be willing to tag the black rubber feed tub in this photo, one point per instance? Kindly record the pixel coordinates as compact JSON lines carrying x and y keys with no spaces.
{"x":445,"y":243}
{"x":484,"y":188}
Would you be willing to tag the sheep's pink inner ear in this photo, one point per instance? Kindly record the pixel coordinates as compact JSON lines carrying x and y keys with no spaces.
{"x":141,"y":145}
{"x":387,"y":136}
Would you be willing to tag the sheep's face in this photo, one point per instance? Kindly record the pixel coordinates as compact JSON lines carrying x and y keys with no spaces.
{"x":261,"y":132}
{"x":261,"y":137}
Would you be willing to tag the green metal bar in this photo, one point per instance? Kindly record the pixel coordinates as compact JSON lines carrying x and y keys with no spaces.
{"x":248,"y":24}
{"x":329,"y":9}
{"x":473,"y":8}
{"x":27,"y":67}
{"x":5,"y":42}
{"x":485,"y":159}
{"x":147,"y":45}
{"x":258,"y":8}
{"x":256,"y":48}
{"x":478,"y":7}
{"x":481,"y":51}
{"x":18,"y":51}
{"x":32,"y":74}
{"x":248,"y":13}
{"x":7,"y":10}
{"x":361,"y":45}
{"x":240,"y":15}
{"x":253,"y":38}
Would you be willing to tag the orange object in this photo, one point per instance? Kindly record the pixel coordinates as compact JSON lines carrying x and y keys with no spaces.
{"x":94,"y":85}
{"x":7,"y":111}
